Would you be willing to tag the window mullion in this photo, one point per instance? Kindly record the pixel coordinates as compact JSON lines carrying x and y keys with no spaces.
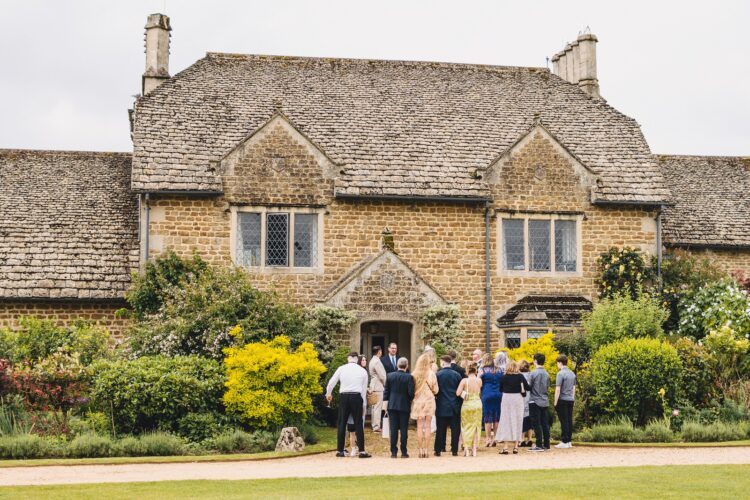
{"x":290,"y":243}
{"x":552,"y":259}
{"x":526,"y":245}
{"x":263,"y":239}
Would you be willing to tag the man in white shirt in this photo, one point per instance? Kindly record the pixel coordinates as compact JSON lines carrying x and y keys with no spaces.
{"x":377,"y":382}
{"x":352,"y":397}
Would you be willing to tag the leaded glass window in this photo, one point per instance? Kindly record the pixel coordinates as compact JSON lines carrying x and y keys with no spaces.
{"x":248,"y":239}
{"x":535,"y":333}
{"x":305,"y":240}
{"x":512,"y":339}
{"x":277,"y":239}
{"x":539,"y":245}
{"x":566,"y":250}
{"x":513,"y":252}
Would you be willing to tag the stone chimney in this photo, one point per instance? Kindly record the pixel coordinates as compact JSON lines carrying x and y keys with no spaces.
{"x":577,"y":64}
{"x":157,"y":52}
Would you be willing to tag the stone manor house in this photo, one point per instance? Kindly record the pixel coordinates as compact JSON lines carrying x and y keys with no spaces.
{"x":384,"y":187}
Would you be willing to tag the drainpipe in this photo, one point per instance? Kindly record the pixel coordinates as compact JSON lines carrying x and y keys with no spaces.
{"x":487,"y":280}
{"x":145,"y":236}
{"x":658,"y":246}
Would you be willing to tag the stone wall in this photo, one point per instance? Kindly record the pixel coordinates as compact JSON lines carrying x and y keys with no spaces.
{"x":63,"y":312}
{"x":731,"y":261}
{"x":442,"y":243}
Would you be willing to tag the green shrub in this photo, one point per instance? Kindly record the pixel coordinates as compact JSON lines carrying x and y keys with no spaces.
{"x":682,"y":274}
{"x":575,"y":345}
{"x":324,"y":325}
{"x":623,"y":271}
{"x":156,"y":392}
{"x":713,"y":306}
{"x":158,"y":444}
{"x":618,"y":430}
{"x":637,"y":378}
{"x":36,"y":339}
{"x":160,"y":275}
{"x":270,"y":384}
{"x":92,"y":445}
{"x":695,"y":432}
{"x":132,"y":447}
{"x":91,"y":422}
{"x":697,"y":372}
{"x":622,"y":317}
{"x":309,"y":433}
{"x":14,"y":418}
{"x":443,"y":327}
{"x":199,"y":427}
{"x":658,"y":431}
{"x":212,"y":310}
{"x":23,"y":446}
{"x":239,"y":441}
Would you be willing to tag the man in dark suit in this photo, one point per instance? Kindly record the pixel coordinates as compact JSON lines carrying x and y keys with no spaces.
{"x":391,"y":359}
{"x":454,"y":366}
{"x":448,"y":411}
{"x":398,"y":395}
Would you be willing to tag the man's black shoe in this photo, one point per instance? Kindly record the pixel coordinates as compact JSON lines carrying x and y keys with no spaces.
{"x":454,"y":453}
{"x":404,"y":455}
{"x":364,"y":454}
{"x":394,"y":456}
{"x":341,"y":454}
{"x":437,"y":453}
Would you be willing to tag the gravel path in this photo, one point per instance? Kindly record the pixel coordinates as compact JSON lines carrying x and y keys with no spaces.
{"x":327,"y":465}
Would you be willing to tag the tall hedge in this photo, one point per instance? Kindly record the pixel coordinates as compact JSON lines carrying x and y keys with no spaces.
{"x":636,"y":378}
{"x":155,"y":392}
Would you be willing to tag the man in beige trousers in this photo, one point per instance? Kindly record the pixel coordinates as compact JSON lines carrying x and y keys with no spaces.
{"x":377,"y":384}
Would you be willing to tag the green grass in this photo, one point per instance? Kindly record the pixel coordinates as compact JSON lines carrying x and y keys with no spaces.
{"x":678,"y":444}
{"x":327,"y":442}
{"x":701,"y":481}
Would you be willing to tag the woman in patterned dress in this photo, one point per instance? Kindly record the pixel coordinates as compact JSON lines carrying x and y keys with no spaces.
{"x":471,"y":410}
{"x":423,"y":406}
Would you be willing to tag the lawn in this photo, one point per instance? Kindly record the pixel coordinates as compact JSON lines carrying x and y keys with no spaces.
{"x":701,"y":481}
{"x":326,"y":442}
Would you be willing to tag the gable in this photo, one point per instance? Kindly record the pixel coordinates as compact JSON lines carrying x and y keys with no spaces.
{"x":382,"y":284}
{"x":539,"y":172}
{"x":277,"y":164}
{"x":395,"y":128}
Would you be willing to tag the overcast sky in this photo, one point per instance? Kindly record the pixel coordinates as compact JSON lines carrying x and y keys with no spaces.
{"x":70,"y":68}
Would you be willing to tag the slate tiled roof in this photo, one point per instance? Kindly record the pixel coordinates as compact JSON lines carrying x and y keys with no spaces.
{"x":545,"y":310}
{"x":68,"y":224}
{"x":395,"y":128}
{"x":711,"y":200}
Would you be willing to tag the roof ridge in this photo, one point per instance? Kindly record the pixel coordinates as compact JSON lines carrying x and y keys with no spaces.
{"x":4,"y":151}
{"x":354,"y":60}
{"x":663,"y":155}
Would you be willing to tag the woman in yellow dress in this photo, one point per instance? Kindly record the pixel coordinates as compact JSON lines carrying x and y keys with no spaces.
{"x":423,"y":406}
{"x":471,"y":410}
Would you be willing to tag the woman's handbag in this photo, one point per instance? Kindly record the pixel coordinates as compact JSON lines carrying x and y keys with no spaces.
{"x":385,"y":427}
{"x":372,"y":396}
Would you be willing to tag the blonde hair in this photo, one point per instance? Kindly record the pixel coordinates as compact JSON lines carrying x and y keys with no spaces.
{"x":422,"y":369}
{"x":487,"y":361}
{"x":511,"y":368}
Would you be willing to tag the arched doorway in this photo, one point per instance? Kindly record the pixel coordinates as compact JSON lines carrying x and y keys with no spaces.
{"x":382,"y":333}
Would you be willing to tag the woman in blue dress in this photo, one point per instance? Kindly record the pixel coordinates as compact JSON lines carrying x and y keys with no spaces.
{"x":491,"y":397}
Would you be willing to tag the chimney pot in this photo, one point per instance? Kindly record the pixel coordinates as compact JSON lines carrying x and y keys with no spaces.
{"x":157,"y":52}
{"x":588,"y":80}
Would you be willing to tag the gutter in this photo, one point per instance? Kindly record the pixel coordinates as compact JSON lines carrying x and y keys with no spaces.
{"x":658,"y":246}
{"x":408,"y":199}
{"x":148,"y":224}
{"x":487,"y":278}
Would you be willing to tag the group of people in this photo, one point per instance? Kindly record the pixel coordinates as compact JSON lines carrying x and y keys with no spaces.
{"x":505,"y":397}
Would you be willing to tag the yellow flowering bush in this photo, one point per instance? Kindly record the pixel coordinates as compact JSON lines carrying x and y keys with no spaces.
{"x":269,"y":383}
{"x":543,"y":345}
